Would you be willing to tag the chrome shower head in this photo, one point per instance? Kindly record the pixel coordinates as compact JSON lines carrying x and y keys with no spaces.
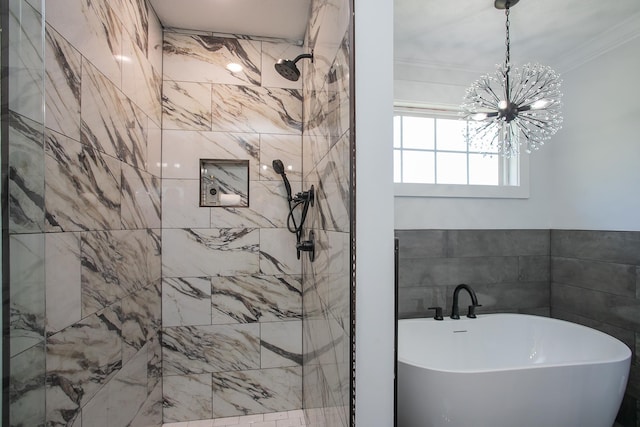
{"x":287,"y":68}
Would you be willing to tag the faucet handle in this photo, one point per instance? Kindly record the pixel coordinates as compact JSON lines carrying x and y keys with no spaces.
{"x":471,"y":314}
{"x":438,"y":315}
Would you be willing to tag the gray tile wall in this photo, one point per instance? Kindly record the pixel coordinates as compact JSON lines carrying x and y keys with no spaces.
{"x":508,"y":269}
{"x":595,"y":281}
{"x":587,"y":277}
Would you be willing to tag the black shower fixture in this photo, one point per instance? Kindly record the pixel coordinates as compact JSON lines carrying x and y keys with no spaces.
{"x":287,"y":68}
{"x":304,"y":198}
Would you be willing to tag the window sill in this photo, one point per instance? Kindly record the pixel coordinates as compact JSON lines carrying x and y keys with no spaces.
{"x":462,"y":191}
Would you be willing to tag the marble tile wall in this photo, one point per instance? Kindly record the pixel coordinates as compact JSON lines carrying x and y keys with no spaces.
{"x":231,"y":282}
{"x":327,"y":166}
{"x":595,"y":281}
{"x":508,"y":269}
{"x":85,"y":213}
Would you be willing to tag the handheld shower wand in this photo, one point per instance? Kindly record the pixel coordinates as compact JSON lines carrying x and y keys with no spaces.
{"x":304,"y":198}
{"x":278,"y":167}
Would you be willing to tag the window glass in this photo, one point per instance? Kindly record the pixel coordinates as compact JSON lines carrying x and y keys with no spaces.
{"x":450,"y":134}
{"x":452,"y":168}
{"x":418,"y":167}
{"x":484,"y":169}
{"x":417,"y":132}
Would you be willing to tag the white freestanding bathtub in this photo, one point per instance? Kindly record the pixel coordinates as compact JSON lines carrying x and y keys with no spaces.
{"x":508,"y":370}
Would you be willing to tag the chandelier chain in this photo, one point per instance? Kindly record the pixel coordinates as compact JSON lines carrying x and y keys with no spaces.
{"x":507,"y":41}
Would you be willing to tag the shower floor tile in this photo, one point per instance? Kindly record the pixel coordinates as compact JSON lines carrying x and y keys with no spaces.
{"x":275,"y":419}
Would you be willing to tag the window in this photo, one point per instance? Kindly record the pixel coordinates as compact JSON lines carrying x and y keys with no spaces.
{"x":432,"y":158}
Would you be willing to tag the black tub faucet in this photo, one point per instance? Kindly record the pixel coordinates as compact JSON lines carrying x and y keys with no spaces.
{"x":455,"y":311}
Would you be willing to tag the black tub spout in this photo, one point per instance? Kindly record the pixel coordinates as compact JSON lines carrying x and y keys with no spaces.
{"x":455,"y":310}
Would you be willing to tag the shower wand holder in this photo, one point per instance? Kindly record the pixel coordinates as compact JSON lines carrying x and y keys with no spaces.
{"x":305,"y":196}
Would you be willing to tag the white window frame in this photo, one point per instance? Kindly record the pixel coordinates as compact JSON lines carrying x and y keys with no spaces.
{"x":520,"y":191}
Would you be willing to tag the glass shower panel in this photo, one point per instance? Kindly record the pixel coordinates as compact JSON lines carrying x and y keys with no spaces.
{"x":23,"y":133}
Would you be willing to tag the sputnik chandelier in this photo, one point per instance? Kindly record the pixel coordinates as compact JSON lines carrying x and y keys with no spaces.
{"x":514,"y":106}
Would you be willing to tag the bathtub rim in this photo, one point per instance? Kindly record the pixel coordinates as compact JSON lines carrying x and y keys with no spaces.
{"x":626,"y":357}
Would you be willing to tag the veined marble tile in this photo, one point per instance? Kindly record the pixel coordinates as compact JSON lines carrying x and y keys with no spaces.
{"x":287,"y":148}
{"x":187,"y":397}
{"x":241,"y":299}
{"x":154,"y":43}
{"x":150,"y":414}
{"x":154,"y":149}
{"x":329,"y":22}
{"x":27,"y":292}
{"x":257,"y":391}
{"x":209,"y":252}
{"x":185,"y":149}
{"x":26,"y":58}
{"x":101,"y":258}
{"x":140,"y":81}
{"x":26,"y":175}
{"x":268,"y":208}
{"x":180,"y":205}
{"x":80,"y":360}
{"x":93,"y":29}
{"x":154,"y":362}
{"x":63,"y":280}
{"x":256,"y":109}
{"x":204,"y":58}
{"x":271,"y":52}
{"x":334,"y":189}
{"x":141,"y":313}
{"x":186,"y":105}
{"x":117,"y":403}
{"x":278,"y":252}
{"x":113,"y":265}
{"x":213,"y":348}
{"x":280,"y":344}
{"x":64,"y":73}
{"x":140,"y":199}
{"x":134,"y":15}
{"x":324,"y":341}
{"x":27,"y":387}
{"x":186,"y":301}
{"x":339,"y":108}
{"x":154,"y":255}
{"x":133,"y":246}
{"x":110,"y":122}
{"x":82,"y":190}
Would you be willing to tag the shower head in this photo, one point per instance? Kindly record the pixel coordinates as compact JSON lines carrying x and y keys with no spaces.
{"x":278,"y":167}
{"x":287,"y":68}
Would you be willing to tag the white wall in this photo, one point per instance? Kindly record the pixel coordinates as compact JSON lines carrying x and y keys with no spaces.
{"x":374,"y":214}
{"x":585,"y":177}
{"x":425,"y":85}
{"x":596,"y":161}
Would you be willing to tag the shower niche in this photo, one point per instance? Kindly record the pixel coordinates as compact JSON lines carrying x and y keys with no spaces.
{"x":224,"y":183}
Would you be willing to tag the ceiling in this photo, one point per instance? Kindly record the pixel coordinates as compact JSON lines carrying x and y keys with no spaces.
{"x":280,"y":19}
{"x":451,"y":34}
{"x":469,"y":35}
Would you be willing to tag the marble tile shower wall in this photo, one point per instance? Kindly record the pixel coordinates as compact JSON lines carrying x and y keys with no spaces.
{"x":231,"y":288}
{"x":508,"y":269}
{"x":327,"y":160}
{"x":85,"y":213}
{"x":595,"y":281}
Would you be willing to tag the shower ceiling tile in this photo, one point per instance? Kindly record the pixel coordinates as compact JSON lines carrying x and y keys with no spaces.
{"x":284,"y":19}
